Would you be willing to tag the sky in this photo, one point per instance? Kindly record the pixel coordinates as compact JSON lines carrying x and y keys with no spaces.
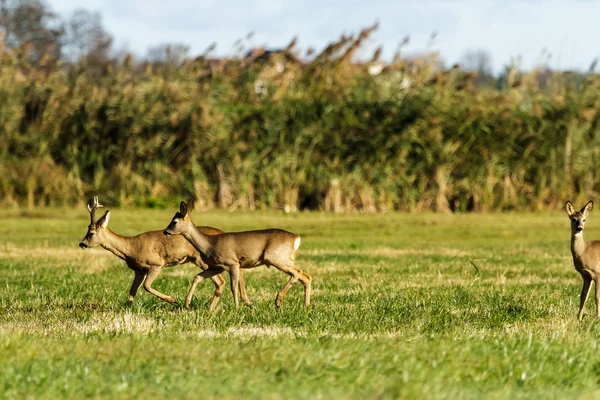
{"x":557,"y":33}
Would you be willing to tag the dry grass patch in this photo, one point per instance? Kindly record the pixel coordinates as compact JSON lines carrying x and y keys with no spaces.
{"x":98,"y":323}
{"x":390,"y":252}
{"x":92,"y":260}
{"x":14,"y":252}
{"x":122,"y":323}
{"x":251,"y":332}
{"x":261,"y":331}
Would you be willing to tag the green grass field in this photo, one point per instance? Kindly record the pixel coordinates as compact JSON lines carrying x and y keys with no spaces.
{"x":399,"y":310}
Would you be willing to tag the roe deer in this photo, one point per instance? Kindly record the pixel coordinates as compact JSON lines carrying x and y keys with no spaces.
{"x":586,"y":254}
{"x":233,"y":251}
{"x":148,"y":253}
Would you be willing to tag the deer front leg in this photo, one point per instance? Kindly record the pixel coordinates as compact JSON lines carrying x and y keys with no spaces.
{"x":202,"y":275}
{"x":597,"y":298}
{"x":137,"y":282}
{"x":585,"y":290}
{"x":220,"y":282}
{"x":152,"y":275}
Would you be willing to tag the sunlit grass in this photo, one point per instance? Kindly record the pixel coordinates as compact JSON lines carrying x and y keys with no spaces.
{"x":404,"y":305}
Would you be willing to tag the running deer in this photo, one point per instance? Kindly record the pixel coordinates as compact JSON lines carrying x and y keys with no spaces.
{"x":149,"y":252}
{"x":586,"y":254}
{"x":234,"y":251}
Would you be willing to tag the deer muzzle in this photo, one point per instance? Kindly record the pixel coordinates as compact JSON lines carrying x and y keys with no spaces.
{"x":83,"y":245}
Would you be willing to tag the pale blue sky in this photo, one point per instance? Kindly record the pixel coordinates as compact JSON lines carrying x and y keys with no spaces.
{"x":568,"y":30}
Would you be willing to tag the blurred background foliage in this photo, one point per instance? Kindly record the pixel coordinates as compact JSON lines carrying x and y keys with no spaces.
{"x":279,"y":129}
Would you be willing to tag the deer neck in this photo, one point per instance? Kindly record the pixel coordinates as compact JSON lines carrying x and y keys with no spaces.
{"x":577,"y":244}
{"x":198,"y":239}
{"x":119,"y":245}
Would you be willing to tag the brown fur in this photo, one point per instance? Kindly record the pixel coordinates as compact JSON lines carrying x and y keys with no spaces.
{"x":586,"y":255}
{"x":149,"y":252}
{"x":234,"y":251}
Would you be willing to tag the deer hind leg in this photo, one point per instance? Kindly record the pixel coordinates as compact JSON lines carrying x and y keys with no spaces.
{"x":295,"y":276}
{"x":219,"y":285}
{"x":209,"y":273}
{"x":152,"y":275}
{"x":245,"y":298}
{"x":234,"y":273}
{"x":137,"y":282}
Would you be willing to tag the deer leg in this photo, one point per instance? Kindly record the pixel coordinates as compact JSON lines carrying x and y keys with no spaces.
{"x":245,"y":298}
{"x":152,"y":275}
{"x":291,"y":282}
{"x":219,"y":285}
{"x":202,"y":275}
{"x":137,"y":282}
{"x":597,"y":296}
{"x":307,"y":288}
{"x":217,"y":280}
{"x":234,"y":274}
{"x":585,"y":290}
{"x":295,"y":276}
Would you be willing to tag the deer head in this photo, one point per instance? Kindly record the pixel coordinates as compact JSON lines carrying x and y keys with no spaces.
{"x":578,"y":217}
{"x":181,"y":221}
{"x":96,"y":230}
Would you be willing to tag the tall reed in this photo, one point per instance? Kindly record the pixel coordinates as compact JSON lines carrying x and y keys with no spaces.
{"x":269,"y":131}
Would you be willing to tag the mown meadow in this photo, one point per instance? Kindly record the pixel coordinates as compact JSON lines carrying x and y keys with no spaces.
{"x":405,"y":305}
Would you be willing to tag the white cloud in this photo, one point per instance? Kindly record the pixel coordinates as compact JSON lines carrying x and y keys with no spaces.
{"x":568,"y":29}
{"x":565,"y":29}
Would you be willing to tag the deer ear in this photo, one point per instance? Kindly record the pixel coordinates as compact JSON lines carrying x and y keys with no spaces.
{"x":587,"y":209}
{"x":191,"y":204}
{"x":569,"y":208}
{"x":103,"y":222}
{"x":183,"y":208}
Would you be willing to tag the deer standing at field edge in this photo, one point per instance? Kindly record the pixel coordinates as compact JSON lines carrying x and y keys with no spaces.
{"x":586,"y":255}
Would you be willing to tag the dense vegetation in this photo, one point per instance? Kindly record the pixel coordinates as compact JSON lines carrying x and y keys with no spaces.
{"x":273,"y":130}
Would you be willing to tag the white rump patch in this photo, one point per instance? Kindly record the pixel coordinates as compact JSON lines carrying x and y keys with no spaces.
{"x":297,"y":243}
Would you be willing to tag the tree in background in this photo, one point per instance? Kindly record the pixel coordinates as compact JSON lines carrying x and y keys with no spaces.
{"x":85,"y":38}
{"x":31,"y":23}
{"x":479,"y":61}
{"x":173,"y":54}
